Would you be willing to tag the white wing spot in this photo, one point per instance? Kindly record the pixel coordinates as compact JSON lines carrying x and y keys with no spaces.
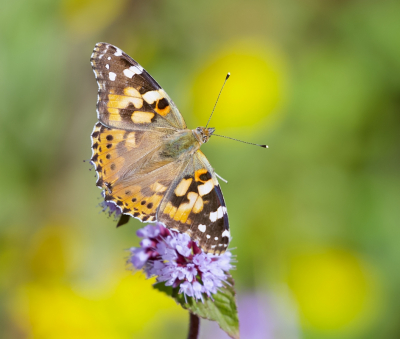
{"x":108,"y":66}
{"x":152,"y":96}
{"x":112,"y":76}
{"x":109,"y":58}
{"x":206,"y":188}
{"x":213,"y":216}
{"x":226,"y":233}
{"x":216,"y":238}
{"x":118,"y":52}
{"x":208,"y":236}
{"x":218,"y":214}
{"x":213,"y":246}
{"x":131,"y":71}
{"x":202,"y":228}
{"x":225,"y":245}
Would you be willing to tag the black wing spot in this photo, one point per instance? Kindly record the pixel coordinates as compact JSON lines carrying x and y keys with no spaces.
{"x":163,"y":103}
{"x":205,"y":176}
{"x":109,"y":137}
{"x":94,"y":158}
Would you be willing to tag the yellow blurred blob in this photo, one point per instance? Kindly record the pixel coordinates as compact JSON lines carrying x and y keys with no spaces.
{"x":47,"y":257}
{"x":85,"y":17}
{"x":51,"y":302}
{"x":58,"y":311}
{"x":333,"y":289}
{"x":252,"y":93}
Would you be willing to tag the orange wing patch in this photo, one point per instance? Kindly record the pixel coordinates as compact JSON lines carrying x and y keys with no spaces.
{"x":138,"y":201}
{"x":182,"y":187}
{"x":142,"y":117}
{"x":134,"y":202}
{"x":131,"y":96}
{"x":108,"y":146}
{"x":187,"y":199}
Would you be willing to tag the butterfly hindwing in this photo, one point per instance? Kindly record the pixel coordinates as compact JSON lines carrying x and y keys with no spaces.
{"x":130,"y":169}
{"x":128,"y":97}
{"x":194,"y":205}
{"x":115,"y":151}
{"x":140,"y":196}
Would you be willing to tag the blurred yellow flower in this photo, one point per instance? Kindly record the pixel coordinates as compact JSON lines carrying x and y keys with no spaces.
{"x":253,"y":92}
{"x":59,"y":311}
{"x":52,"y":304}
{"x":333,"y":288}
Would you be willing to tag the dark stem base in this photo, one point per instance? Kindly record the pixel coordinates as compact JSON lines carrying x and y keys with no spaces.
{"x":194,"y":326}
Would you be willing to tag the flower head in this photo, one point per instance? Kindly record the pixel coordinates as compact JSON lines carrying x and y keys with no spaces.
{"x":175,"y":259}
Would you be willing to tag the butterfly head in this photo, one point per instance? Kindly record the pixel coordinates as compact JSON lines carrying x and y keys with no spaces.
{"x":202,"y":134}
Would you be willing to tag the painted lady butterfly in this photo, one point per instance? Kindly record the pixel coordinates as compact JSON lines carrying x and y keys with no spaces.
{"x":147,"y":162}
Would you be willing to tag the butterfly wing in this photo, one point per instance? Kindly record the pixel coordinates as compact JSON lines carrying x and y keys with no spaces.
{"x":194,"y":205}
{"x":128,"y":97}
{"x":130,"y":169}
{"x":136,"y":117}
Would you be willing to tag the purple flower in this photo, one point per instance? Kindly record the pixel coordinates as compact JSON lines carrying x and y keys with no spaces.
{"x":175,"y":259}
{"x":112,"y":207}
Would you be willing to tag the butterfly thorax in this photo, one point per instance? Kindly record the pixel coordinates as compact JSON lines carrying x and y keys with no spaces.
{"x":185,"y":142}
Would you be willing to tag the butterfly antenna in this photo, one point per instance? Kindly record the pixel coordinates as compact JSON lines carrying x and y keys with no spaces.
{"x":227,"y":77}
{"x":245,"y":142}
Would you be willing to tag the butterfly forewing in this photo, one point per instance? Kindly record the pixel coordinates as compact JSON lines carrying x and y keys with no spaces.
{"x":128,"y":97}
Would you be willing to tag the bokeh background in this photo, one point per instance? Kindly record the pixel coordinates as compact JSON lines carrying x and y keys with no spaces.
{"x":315,"y":218}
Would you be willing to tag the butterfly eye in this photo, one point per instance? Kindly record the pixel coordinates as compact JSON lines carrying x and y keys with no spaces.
{"x":204,"y":139}
{"x":198,"y":129}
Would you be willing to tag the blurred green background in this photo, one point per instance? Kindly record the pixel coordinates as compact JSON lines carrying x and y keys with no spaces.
{"x":315,"y":218}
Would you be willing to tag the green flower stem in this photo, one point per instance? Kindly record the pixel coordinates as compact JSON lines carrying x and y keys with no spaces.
{"x":194,"y":326}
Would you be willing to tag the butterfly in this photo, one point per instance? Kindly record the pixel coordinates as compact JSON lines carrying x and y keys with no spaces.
{"x":148,"y":162}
